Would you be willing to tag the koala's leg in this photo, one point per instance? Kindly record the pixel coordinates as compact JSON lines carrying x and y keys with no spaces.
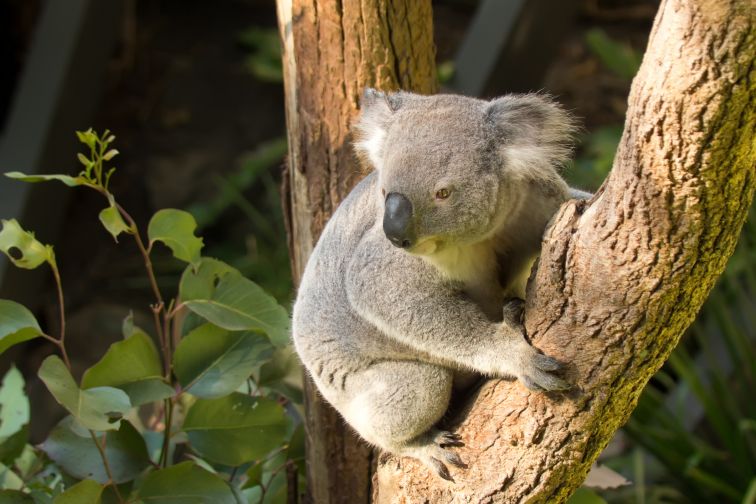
{"x":396,"y":404}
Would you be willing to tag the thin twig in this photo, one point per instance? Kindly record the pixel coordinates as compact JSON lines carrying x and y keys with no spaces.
{"x":177,"y":315}
{"x":145,"y":254}
{"x":164,"y":455}
{"x":106,"y":464}
{"x":162,"y":337}
{"x":50,"y":339}
{"x":167,"y":347}
{"x":292,"y":483}
{"x":61,"y":341}
{"x":273,"y":474}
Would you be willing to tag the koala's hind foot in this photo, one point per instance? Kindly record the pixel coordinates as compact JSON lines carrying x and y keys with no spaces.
{"x":433,"y":450}
{"x":395,"y":404}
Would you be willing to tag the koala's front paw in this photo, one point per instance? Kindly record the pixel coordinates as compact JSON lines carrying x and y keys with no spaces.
{"x":540,"y":372}
{"x":513,"y":309}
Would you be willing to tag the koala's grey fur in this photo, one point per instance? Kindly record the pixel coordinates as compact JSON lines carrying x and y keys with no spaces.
{"x":384,"y":331}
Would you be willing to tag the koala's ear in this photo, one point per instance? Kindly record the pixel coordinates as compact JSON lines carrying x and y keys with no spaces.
{"x":531,"y":129}
{"x":376,"y":113}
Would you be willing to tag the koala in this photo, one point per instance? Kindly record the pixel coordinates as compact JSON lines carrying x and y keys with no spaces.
{"x":406,"y":290}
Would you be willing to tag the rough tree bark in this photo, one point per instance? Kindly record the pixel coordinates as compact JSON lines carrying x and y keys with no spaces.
{"x":620,"y":278}
{"x":332,"y":51}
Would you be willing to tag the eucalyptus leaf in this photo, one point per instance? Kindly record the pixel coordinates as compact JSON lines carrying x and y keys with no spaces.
{"x":29,"y":462}
{"x":99,"y":408}
{"x":213,"y":362}
{"x":113,"y":222}
{"x":132,"y":365}
{"x":274,"y":480}
{"x":185,"y":483}
{"x":84,"y":492}
{"x":200,"y":282}
{"x":9,"y":479}
{"x":15,"y":497}
{"x":283,"y":373}
{"x":239,"y":304}
{"x":21,"y":247}
{"x":13,"y":446}
{"x":14,"y":405}
{"x":17,"y":324}
{"x":74,"y":450}
{"x":87,"y":137}
{"x":254,"y":475}
{"x":296,"y":450}
{"x":66,"y":179}
{"x":585,"y":495}
{"x":175,"y":228}
{"x":236,"y":428}
{"x":620,"y":58}
{"x":147,"y":391}
{"x":128,"y":328}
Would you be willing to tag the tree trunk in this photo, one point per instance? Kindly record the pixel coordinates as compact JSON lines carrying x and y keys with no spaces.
{"x":332,"y":51}
{"x":621,"y":277}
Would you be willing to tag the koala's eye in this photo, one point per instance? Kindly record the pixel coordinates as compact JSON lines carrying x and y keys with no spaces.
{"x":442,"y":193}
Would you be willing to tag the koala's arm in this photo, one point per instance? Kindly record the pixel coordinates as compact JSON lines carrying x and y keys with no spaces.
{"x":579,"y":194}
{"x":409,"y":301}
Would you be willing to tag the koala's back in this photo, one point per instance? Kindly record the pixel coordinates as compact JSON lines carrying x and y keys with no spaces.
{"x":321,"y":291}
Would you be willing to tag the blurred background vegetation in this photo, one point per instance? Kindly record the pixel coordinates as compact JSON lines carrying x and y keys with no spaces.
{"x":193,"y":91}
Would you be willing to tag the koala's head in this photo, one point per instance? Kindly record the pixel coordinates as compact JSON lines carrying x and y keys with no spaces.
{"x":450,"y":168}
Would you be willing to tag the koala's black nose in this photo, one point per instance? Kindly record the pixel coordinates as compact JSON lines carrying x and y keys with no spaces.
{"x":397,"y":220}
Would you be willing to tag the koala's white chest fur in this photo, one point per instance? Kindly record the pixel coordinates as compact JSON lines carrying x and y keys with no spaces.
{"x":476,"y":268}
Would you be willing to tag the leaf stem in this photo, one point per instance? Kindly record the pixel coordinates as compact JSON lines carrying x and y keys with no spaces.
{"x":106,"y":464}
{"x":168,"y":347}
{"x":164,"y":347}
{"x":166,"y":433}
{"x":61,"y":341}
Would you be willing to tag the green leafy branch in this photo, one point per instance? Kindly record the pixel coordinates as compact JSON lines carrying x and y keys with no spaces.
{"x":219,"y":332}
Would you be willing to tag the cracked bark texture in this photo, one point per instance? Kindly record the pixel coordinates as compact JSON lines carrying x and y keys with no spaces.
{"x":332,"y":50}
{"x":621,"y":277}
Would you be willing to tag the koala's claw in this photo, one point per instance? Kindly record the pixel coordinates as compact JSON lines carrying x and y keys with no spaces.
{"x":454,"y":459}
{"x":436,"y":454}
{"x":440,"y":468}
{"x":446,"y":438}
{"x":545,"y":383}
{"x":513,"y":309}
{"x":541,"y":377}
{"x":547,"y":363}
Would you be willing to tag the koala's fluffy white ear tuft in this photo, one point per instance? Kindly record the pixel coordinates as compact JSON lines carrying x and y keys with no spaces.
{"x":532,"y":130}
{"x":376,"y":111}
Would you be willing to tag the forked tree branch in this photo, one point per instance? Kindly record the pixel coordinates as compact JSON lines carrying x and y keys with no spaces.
{"x":621,"y":277}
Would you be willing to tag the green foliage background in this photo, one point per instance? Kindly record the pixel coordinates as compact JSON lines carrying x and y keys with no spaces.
{"x":205,"y":409}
